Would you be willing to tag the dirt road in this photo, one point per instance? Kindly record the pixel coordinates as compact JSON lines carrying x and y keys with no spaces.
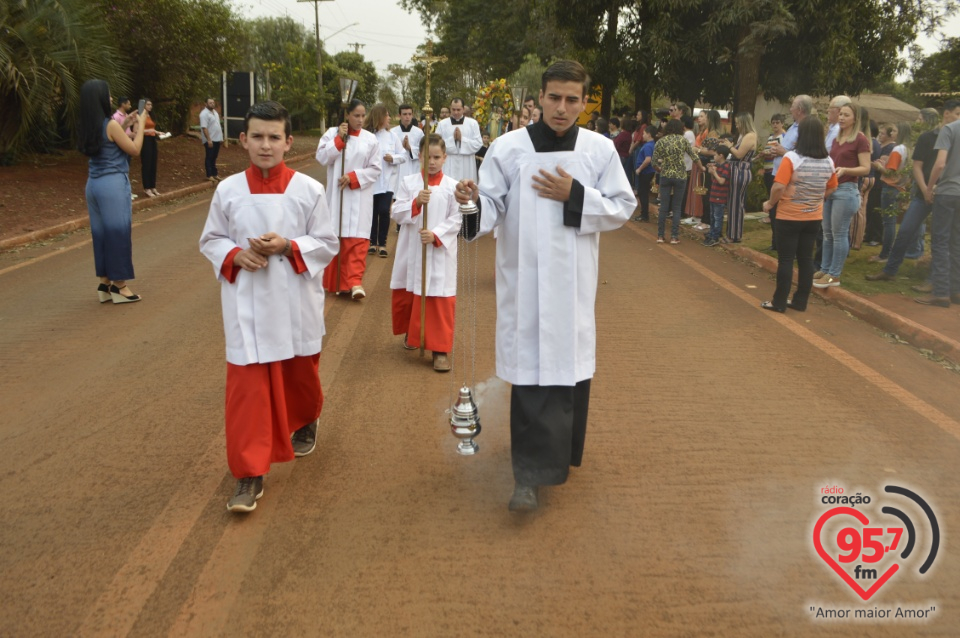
{"x":713,"y":427}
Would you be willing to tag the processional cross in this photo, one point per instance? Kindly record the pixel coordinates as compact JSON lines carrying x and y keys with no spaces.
{"x":429,"y":59}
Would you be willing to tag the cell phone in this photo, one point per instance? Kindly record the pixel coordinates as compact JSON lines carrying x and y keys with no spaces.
{"x":140,"y":106}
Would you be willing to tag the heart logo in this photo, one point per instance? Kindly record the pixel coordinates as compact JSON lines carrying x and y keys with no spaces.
{"x":854,"y":585}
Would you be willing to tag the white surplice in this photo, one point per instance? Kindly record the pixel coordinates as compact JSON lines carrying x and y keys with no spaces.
{"x":389,"y":145}
{"x":461,"y":163}
{"x":546,"y":271}
{"x":443,"y":218}
{"x":412,"y":165}
{"x":363,"y":159}
{"x":272,"y":314}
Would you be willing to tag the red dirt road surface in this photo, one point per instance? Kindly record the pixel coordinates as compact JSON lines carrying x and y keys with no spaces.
{"x":714,"y":426}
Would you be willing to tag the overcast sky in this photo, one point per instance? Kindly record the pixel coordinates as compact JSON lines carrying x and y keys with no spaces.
{"x":388,"y":33}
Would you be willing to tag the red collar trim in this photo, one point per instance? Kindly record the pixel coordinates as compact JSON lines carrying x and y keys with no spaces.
{"x":353,"y":133}
{"x":434,"y":180}
{"x":275,"y":183}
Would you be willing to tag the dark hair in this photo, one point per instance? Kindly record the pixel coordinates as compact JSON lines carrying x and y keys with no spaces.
{"x":123,"y":100}
{"x":662,"y":113}
{"x":874,"y":129}
{"x":722,"y":150}
{"x":456,"y":99}
{"x":687,"y":121}
{"x":674,"y":127}
{"x":778,"y":117}
{"x":615,"y":121}
{"x":644,"y":117}
{"x":714,"y":123}
{"x":565,"y":71}
{"x":403,"y":106}
{"x":354,"y":103}
{"x":268,"y":112}
{"x":810,"y":139}
{"x":630,"y":126}
{"x":94,"y":109}
{"x":950,"y":105}
{"x":434,"y":140}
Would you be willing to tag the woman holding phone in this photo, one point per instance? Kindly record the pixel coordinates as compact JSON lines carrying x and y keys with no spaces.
{"x":109,"y":205}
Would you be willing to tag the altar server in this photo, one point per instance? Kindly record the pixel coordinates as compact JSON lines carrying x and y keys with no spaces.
{"x":409,"y":135}
{"x":462,"y":136}
{"x":269,"y":236}
{"x":440,"y":237}
{"x":550,"y":189}
{"x":392,"y":155}
{"x":360,"y":174}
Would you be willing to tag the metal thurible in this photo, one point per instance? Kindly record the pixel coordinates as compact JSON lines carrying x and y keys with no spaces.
{"x":470,"y":220}
{"x":465,"y":422}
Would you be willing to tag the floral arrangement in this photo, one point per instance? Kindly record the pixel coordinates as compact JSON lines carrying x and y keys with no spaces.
{"x":491,"y":97}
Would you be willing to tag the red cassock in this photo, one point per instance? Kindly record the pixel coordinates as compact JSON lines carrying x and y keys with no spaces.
{"x":267,"y":402}
{"x":440,"y":313}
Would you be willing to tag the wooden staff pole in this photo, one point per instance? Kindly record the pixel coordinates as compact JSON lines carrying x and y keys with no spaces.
{"x":343,"y":165}
{"x":424,"y":164}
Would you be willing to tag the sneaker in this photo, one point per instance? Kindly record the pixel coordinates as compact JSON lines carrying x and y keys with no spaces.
{"x":372,"y":250}
{"x":357,"y":292}
{"x":880,"y":276}
{"x":877,"y":259}
{"x":689,"y":221}
{"x":826,"y":281}
{"x":930,"y":300}
{"x":660,"y":240}
{"x":525,"y":498}
{"x":674,"y":240}
{"x":710,"y":242}
{"x":245,"y":498}
{"x":407,"y":346}
{"x":383,"y":252}
{"x":926,"y":288}
{"x":818,"y":275}
{"x":304,"y":440}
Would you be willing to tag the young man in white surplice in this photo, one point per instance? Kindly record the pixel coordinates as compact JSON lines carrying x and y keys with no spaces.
{"x":550,"y":188}
{"x":462,"y":137}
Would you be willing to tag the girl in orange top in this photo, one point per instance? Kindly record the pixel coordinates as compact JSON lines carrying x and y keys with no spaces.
{"x":148,"y":155}
{"x":806,"y":176}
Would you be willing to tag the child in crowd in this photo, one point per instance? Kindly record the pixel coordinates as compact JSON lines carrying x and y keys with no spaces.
{"x":645,"y":173}
{"x":272,"y":315}
{"x":719,"y":193}
{"x":440,"y":238}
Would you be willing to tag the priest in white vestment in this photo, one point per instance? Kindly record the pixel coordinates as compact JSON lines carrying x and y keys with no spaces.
{"x":462,"y":136}
{"x":550,"y":189}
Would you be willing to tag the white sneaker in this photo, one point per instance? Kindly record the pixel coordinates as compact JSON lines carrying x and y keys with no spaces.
{"x":357,"y":292}
{"x":689,"y":221}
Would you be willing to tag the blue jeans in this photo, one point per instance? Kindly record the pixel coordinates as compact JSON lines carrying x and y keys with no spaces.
{"x":838,"y":212}
{"x":111,"y":219}
{"x":945,"y":244}
{"x":672,"y":190}
{"x":716,"y":221}
{"x":910,"y":236}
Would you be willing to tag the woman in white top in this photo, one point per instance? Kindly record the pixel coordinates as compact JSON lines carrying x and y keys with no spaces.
{"x":391,"y":154}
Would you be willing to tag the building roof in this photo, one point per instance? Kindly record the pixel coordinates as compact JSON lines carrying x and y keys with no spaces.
{"x":884,"y":108}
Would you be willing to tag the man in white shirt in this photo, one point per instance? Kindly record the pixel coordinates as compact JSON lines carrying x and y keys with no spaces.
{"x":212,"y":136}
{"x":833,"y":118}
{"x":462,"y":136}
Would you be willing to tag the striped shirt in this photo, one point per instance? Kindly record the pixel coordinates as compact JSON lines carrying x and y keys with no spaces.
{"x":806,"y":180}
{"x":720,"y":193}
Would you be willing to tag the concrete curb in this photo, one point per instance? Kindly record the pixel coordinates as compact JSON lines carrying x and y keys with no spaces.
{"x":864,"y":309}
{"x":138,"y":204}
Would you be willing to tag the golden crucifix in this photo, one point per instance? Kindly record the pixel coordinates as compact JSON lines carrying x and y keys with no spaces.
{"x":429,"y":59}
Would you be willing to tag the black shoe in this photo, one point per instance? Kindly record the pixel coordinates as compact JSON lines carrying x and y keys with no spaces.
{"x":792,"y":307}
{"x":767,"y":305}
{"x":103,"y":292}
{"x":880,"y":276}
{"x":372,"y":250}
{"x":304,"y":440}
{"x":119,"y":297}
{"x":930,"y":300}
{"x":383,"y":252}
{"x":245,"y":498}
{"x":524,"y":498}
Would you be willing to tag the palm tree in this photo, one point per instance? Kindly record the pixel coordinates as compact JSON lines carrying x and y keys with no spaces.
{"x":48,"y":48}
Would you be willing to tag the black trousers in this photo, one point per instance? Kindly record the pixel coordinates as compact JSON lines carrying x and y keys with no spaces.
{"x":874,"y":230}
{"x":548,"y":425}
{"x":643,"y":194}
{"x":795,"y":240}
{"x":148,"y":162}
{"x":381,"y":219}
{"x":768,"y":182}
{"x":210,"y":158}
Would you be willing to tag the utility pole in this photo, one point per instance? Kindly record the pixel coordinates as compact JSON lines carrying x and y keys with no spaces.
{"x":356,"y":46}
{"x":316,"y":16}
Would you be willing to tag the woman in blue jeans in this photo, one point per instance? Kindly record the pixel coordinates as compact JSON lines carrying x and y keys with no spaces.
{"x":109,"y":204}
{"x":668,"y":159}
{"x":851,"y":155}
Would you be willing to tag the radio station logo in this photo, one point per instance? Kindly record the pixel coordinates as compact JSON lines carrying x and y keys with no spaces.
{"x":867,"y":551}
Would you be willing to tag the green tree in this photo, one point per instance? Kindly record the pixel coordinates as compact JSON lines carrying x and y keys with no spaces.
{"x":939,"y":72}
{"x":48,"y":49}
{"x":178,"y":49}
